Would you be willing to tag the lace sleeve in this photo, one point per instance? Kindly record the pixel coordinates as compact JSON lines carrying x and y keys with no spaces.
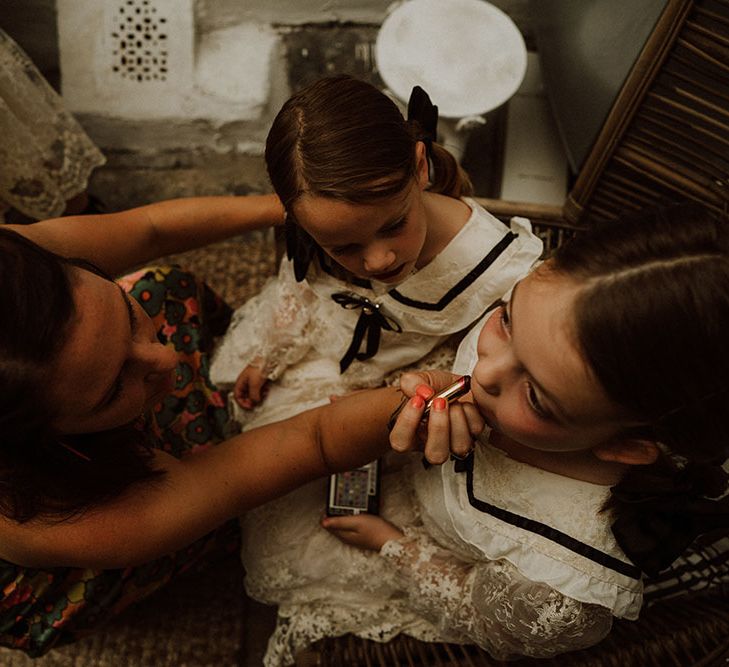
{"x":271,"y":330}
{"x":491,"y":604}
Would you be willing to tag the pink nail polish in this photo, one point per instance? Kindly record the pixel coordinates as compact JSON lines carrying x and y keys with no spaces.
{"x":424,"y":391}
{"x":439,"y":404}
{"x":417,"y":401}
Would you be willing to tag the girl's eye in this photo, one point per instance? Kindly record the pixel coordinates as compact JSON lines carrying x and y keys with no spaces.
{"x":343,"y":250}
{"x":394,"y":229}
{"x":534,"y":403}
{"x":505,"y":319}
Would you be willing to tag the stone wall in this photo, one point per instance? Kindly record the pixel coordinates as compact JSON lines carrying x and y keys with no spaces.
{"x":223,"y":69}
{"x":207,"y":75}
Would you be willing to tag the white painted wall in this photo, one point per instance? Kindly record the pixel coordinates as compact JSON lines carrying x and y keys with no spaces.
{"x":208,"y":73}
{"x":142,"y":59}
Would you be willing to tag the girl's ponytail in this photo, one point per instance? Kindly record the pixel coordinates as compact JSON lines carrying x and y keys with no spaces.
{"x":447,"y":176}
{"x":652,"y":320}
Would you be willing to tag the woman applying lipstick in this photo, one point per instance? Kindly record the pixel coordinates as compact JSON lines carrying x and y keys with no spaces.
{"x":114,"y":476}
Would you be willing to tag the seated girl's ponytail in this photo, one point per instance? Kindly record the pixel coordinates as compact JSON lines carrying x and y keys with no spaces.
{"x":447,"y":176}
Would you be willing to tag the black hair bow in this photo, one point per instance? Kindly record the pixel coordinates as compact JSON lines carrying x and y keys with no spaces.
{"x":422,"y":110}
{"x":655,"y":528}
{"x":370,"y":323}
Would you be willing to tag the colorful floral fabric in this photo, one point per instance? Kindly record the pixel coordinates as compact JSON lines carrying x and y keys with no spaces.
{"x":40,"y":609}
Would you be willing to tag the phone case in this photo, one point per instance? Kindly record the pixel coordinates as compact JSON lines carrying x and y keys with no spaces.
{"x":355,"y":491}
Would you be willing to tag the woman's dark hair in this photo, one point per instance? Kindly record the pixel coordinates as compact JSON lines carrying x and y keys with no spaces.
{"x":652,"y":321}
{"x":40,"y":475}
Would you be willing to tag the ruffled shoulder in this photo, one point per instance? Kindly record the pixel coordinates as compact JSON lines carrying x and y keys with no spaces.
{"x":476,"y":268}
{"x":550,"y":527}
{"x":480,"y":264}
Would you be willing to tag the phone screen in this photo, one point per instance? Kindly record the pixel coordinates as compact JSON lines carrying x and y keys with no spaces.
{"x":354,"y":491}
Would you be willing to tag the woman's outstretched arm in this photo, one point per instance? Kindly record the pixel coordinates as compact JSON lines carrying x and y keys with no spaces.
{"x":206,"y":489}
{"x":118,"y":241}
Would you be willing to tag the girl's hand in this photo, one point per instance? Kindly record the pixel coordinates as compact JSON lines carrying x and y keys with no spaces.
{"x":250,"y":387}
{"x":450,"y":429}
{"x":366,"y":531}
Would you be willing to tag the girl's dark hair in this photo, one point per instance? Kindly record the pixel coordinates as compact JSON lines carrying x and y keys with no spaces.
{"x":652,"y":321}
{"x":39,"y":476}
{"x":343,"y":138}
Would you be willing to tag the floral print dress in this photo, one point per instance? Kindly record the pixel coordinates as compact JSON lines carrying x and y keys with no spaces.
{"x":39,"y":608}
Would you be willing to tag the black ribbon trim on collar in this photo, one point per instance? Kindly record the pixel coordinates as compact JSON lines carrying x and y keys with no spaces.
{"x":542,"y":529}
{"x":463,"y":283}
{"x":370,"y":323}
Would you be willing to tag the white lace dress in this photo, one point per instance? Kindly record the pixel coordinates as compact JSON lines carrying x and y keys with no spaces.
{"x":516,"y":559}
{"x":299,"y":333}
{"x":46,"y":156}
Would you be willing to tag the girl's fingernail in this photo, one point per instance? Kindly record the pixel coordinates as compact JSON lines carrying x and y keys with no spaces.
{"x":424,"y":391}
{"x":417,"y":401}
{"x":439,"y":404}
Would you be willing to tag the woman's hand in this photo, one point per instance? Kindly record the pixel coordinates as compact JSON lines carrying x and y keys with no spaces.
{"x":366,"y":531}
{"x":450,"y":429}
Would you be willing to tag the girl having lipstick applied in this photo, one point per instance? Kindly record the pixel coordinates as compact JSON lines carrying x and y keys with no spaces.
{"x":602,"y":381}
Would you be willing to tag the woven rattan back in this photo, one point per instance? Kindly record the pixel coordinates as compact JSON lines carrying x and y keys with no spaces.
{"x":667,"y":135}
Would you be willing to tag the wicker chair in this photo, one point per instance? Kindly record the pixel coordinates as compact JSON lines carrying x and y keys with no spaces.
{"x":684,"y":623}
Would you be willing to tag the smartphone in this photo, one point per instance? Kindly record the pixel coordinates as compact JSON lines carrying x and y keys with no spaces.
{"x":355,"y":491}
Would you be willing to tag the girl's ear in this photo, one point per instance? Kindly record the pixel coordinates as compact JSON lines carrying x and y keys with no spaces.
{"x":421,"y":165}
{"x":631,"y":451}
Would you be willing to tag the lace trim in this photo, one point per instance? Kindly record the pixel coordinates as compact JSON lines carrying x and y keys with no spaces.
{"x":491,"y":603}
{"x":47,"y":157}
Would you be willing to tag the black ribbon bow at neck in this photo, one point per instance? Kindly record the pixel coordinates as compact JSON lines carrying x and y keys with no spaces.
{"x":370,"y":323}
{"x":653,"y":529}
{"x":422,"y":110}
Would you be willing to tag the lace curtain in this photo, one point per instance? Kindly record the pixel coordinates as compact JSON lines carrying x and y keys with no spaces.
{"x":46,"y":156}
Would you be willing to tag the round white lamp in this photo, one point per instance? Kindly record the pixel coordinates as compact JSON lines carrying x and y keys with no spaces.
{"x":468,"y":55}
